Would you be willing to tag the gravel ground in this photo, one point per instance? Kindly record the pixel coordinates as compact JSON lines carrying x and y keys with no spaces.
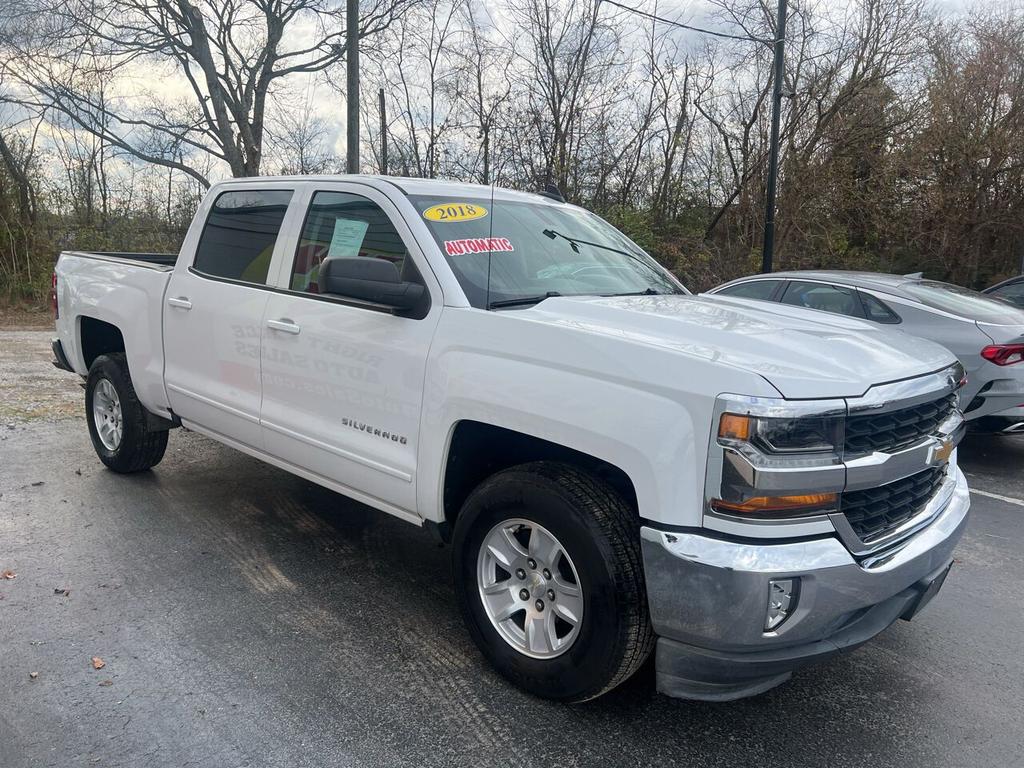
{"x":30,"y":387}
{"x":245,"y":617}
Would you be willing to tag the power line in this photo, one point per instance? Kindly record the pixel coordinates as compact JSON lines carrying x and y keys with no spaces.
{"x":680,"y":24}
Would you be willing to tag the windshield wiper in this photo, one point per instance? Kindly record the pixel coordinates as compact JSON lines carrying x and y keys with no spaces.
{"x":576,"y":243}
{"x":523,"y":300}
{"x":644,"y":292}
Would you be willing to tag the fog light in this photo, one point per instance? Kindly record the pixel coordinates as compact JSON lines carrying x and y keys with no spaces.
{"x":782,"y":594}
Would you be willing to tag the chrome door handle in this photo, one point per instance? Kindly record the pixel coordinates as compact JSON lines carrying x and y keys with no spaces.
{"x":181,"y":302}
{"x":284,"y":325}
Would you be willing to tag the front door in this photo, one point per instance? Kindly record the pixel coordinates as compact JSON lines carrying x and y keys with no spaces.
{"x":343,"y":381}
{"x":213,"y":312}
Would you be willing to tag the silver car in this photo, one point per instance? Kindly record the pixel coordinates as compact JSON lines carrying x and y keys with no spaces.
{"x":987,"y":335}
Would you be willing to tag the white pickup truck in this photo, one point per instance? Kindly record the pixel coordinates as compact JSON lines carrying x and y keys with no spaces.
{"x":619,"y":467}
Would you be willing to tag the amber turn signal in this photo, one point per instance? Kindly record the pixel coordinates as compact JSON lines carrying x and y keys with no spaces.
{"x":735,"y":427}
{"x":768,"y":505}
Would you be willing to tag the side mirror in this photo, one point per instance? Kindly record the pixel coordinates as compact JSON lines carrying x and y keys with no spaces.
{"x":367,"y":279}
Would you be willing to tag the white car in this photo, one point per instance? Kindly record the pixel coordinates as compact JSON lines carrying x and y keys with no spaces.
{"x":618,"y":466}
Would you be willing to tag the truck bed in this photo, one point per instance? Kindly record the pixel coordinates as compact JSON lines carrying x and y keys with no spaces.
{"x":126,"y":292}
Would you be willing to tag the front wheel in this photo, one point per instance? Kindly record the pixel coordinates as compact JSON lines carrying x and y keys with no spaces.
{"x":549,"y":577}
{"x":117,"y":420}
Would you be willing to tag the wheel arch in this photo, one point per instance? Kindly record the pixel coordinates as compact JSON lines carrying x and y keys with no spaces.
{"x":98,"y":337}
{"x":478,"y":450}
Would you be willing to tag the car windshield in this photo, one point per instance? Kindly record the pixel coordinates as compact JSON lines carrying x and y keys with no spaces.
{"x":964,"y":302}
{"x":511,"y":253}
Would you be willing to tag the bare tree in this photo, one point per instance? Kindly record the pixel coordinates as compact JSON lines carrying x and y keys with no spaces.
{"x":486,"y":94}
{"x":231,"y":54}
{"x":298,"y":137}
{"x":569,"y":53}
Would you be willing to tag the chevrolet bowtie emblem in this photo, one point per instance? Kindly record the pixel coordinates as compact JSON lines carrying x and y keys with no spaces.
{"x":942,"y":451}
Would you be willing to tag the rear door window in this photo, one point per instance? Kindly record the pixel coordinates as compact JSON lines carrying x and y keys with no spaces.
{"x":875,"y":309}
{"x":823,"y":297}
{"x":755,"y":289}
{"x":241,"y":231}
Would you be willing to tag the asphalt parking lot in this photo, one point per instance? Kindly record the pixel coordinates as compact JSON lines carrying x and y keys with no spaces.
{"x":245,"y":617}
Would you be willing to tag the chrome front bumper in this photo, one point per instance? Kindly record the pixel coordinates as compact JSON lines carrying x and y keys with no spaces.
{"x":708,"y":598}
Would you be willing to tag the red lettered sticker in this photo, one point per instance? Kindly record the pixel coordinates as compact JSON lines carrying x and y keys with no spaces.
{"x":478,"y":245}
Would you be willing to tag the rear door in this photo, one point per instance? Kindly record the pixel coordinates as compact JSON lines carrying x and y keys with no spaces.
{"x":213,"y":311}
{"x":342,"y":379}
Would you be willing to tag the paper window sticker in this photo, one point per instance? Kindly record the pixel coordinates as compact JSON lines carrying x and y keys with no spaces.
{"x":347,"y":238}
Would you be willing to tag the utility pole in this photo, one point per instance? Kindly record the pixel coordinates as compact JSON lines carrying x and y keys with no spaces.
{"x":768,"y":250}
{"x":383,"y":133}
{"x":352,"y":71}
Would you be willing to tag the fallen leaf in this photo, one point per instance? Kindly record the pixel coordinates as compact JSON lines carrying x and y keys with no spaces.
{"x":98,"y":663}
{"x":7,"y":574}
{"x":33,"y":675}
{"x":106,"y":683}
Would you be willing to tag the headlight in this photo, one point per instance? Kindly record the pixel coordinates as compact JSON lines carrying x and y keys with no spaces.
{"x":803,"y":434}
{"x":775,"y":437}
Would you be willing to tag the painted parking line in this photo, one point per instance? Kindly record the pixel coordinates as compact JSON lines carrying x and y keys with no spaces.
{"x":999,"y":496}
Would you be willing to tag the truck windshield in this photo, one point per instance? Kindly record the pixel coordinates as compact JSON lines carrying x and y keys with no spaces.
{"x":513,"y":253}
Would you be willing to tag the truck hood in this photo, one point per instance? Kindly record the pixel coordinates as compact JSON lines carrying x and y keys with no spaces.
{"x":802,"y":353}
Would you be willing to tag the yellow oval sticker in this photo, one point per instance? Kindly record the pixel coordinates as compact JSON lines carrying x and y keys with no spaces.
{"x":454,"y":212}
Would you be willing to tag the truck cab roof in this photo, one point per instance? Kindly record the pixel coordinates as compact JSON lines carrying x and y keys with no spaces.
{"x":408,"y":186}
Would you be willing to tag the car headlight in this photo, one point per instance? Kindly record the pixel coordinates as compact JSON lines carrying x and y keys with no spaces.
{"x":779,"y":436}
{"x":803,"y":434}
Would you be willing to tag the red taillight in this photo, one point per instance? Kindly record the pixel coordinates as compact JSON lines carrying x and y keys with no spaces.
{"x":53,"y":297}
{"x":1004,"y":354}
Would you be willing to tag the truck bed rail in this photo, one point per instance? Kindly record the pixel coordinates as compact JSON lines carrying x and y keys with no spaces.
{"x":160,"y":261}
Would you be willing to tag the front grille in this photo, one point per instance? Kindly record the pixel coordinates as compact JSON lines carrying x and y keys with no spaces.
{"x":896,"y":429}
{"x":874,"y":512}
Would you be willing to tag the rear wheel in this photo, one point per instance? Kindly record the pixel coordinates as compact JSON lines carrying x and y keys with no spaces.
{"x":549,"y":576}
{"x":117,"y":420}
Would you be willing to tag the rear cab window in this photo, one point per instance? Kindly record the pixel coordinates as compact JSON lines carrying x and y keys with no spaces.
{"x":237,"y":242}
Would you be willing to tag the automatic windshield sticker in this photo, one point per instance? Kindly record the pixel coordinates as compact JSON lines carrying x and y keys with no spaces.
{"x":348,"y":237}
{"x":454,"y":212}
{"x":478,"y":245}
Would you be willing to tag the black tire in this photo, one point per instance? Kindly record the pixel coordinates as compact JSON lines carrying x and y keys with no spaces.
{"x":140,"y":448}
{"x":600,"y":533}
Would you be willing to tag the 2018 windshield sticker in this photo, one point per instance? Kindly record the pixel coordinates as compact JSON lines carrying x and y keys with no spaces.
{"x":478,"y":245}
{"x":454,"y":212}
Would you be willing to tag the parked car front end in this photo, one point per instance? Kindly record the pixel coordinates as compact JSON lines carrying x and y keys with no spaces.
{"x":824,"y":522}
